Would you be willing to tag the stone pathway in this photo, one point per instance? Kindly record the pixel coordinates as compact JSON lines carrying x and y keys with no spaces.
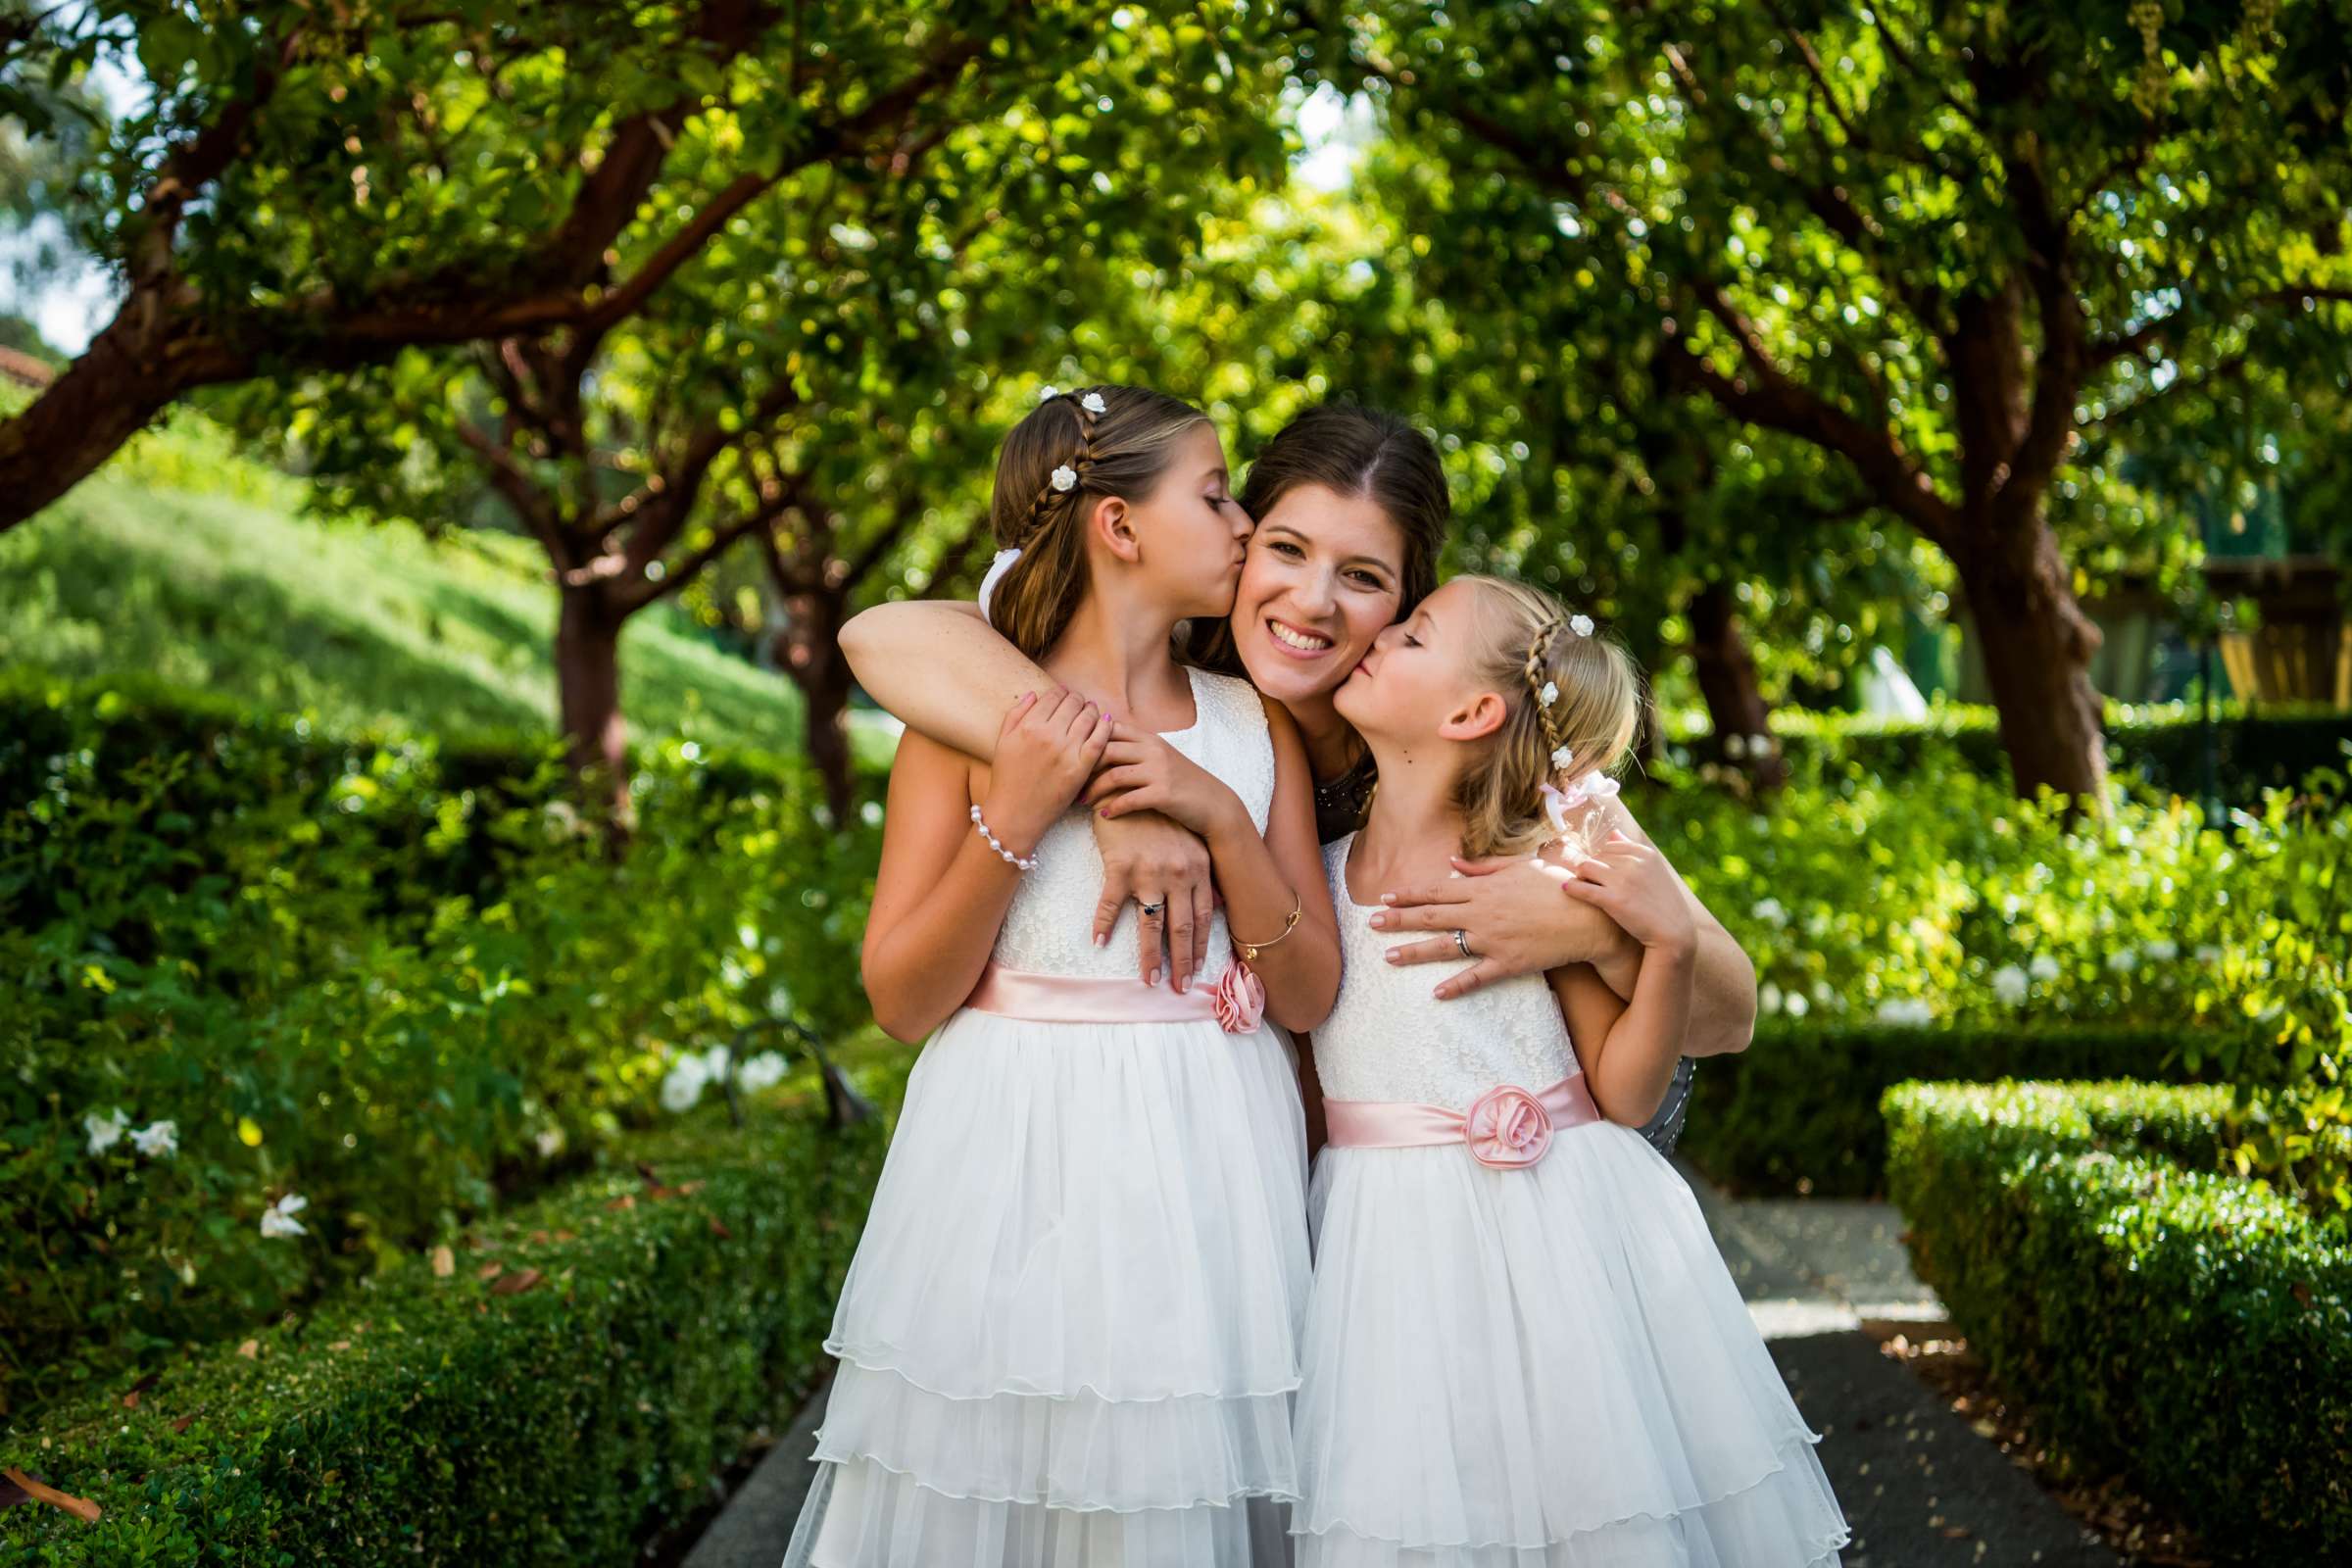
{"x":1920,"y":1488}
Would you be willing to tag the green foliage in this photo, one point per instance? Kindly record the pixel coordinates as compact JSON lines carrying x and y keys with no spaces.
{"x":420,"y":1418}
{"x":1797,"y":1112}
{"x":395,"y":978}
{"x":1938,"y":899}
{"x":187,"y":563}
{"x":2191,"y":1330}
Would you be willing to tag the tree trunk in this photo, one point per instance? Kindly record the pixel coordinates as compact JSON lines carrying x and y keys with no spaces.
{"x":129,"y":374}
{"x":809,"y":647}
{"x":1727,"y":679}
{"x":588,"y":694}
{"x":2037,"y":644}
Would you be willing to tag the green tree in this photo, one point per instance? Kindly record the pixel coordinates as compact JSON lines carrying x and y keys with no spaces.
{"x":1932,"y":240}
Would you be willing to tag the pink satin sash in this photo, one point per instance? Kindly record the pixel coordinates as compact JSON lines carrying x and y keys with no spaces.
{"x":1074,"y":998}
{"x":1506,"y":1127}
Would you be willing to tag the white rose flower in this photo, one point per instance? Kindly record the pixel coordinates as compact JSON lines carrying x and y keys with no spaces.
{"x":1562,"y":758}
{"x":277,"y":1220}
{"x":1066,"y":478}
{"x":1093,"y":403}
{"x":1582,"y":625}
{"x":763,"y":1071}
{"x":1551,"y":693}
{"x":1047,"y":394}
{"x":2009,"y":984}
{"x":158,"y":1140}
{"x":684,"y":1085}
{"x":2042,"y":967}
{"x":105,"y":1131}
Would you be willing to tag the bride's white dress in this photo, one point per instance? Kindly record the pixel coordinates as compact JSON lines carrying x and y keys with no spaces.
{"x":1069,"y":1334}
{"x":1542,"y":1367}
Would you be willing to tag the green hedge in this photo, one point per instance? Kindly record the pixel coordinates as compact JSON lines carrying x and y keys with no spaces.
{"x":403,"y":980}
{"x":2268,"y":748}
{"x":1797,"y":1112}
{"x":2191,"y":1330}
{"x":431,"y":1420}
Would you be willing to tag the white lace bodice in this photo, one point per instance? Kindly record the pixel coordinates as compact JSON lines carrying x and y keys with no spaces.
{"x":1389,"y":1039}
{"x":1050,"y":927}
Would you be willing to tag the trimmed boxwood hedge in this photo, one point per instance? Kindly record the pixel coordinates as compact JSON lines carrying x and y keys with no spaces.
{"x":421,"y":1419}
{"x":1798,"y":1110}
{"x":2191,"y":1330}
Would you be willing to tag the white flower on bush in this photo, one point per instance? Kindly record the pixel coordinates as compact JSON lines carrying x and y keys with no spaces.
{"x":2042,"y":967}
{"x":278,"y":1219}
{"x":158,"y":1140}
{"x":763,"y":1071}
{"x":1908,"y":1011}
{"x":2009,"y":984}
{"x":2123,"y":961}
{"x":1770,"y":912}
{"x":684,"y":1085}
{"x":2162,"y":950}
{"x":105,"y":1131}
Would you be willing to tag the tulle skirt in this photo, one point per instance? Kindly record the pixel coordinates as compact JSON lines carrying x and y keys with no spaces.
{"x":1539,"y":1368}
{"x":1069,"y":1334}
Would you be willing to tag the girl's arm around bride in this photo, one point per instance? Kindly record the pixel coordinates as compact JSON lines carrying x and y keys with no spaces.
{"x":945,"y":884}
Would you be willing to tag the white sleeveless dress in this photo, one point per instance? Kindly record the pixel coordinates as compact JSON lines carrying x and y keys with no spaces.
{"x":1542,"y":1367}
{"x":1070,"y":1333}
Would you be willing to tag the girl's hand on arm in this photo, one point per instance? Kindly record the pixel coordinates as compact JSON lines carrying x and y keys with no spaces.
{"x":941,"y":668}
{"x":1143,"y":772}
{"x":1631,"y":884}
{"x":1151,"y":859}
{"x":1045,"y":750}
{"x":1626,"y":1049}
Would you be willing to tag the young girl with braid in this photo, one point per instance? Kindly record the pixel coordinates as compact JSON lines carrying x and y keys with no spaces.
{"x":1522,"y":1349}
{"x":1069,"y":1335}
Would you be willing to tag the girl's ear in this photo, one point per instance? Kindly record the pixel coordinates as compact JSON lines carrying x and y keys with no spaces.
{"x":1479,"y":715}
{"x":1113,"y":524}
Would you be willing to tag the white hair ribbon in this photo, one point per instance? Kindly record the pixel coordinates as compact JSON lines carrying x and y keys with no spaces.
{"x":997,"y":570}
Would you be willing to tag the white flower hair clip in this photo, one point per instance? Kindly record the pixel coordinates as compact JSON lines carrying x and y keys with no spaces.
{"x":1093,"y":403}
{"x":1562,"y":758}
{"x":1549,"y":695}
{"x":1582,"y":625}
{"x":1066,"y":478}
{"x":1047,"y":394}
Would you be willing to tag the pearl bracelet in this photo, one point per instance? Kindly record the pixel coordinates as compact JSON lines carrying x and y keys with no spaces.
{"x":1016,"y":862}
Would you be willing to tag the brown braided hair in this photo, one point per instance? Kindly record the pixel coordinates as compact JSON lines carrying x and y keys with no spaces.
{"x":1121,"y":452}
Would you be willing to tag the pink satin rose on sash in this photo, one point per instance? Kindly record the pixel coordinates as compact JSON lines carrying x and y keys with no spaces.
{"x":1240,"y":999}
{"x":1507,"y":1128}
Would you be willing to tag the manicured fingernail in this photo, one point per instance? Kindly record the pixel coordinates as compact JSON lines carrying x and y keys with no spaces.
{"x":1392,"y":953}
{"x":1152,"y":978}
{"x":1379,"y":922}
{"x":1387,"y":897}
{"x":1101,"y":940}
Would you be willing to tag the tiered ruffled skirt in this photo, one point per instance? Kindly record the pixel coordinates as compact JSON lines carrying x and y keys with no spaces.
{"x":1539,"y":1368}
{"x":1069,"y":1335}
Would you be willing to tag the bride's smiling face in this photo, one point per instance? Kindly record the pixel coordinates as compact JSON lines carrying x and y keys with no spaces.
{"x":1324,"y":577}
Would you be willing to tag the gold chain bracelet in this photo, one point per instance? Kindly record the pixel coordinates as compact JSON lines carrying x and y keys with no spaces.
{"x":1250,"y":950}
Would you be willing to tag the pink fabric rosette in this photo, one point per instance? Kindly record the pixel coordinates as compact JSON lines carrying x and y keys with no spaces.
{"x":1240,"y":999}
{"x":1507,"y":1128}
